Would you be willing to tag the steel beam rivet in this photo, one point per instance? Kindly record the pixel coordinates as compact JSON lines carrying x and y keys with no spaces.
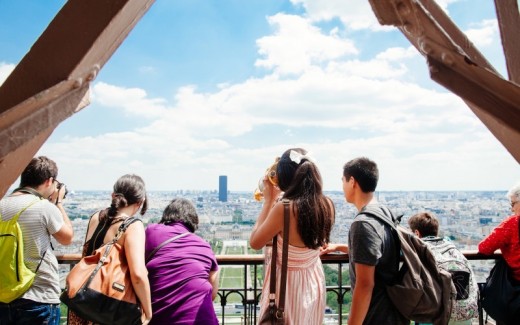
{"x":447,"y":59}
{"x":93,"y":73}
{"x":425,"y":47}
{"x":77,"y":83}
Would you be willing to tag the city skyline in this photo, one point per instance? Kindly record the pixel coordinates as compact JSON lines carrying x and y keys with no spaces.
{"x":205,"y":88}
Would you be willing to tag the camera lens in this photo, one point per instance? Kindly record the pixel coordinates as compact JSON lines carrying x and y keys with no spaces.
{"x":66,"y":191}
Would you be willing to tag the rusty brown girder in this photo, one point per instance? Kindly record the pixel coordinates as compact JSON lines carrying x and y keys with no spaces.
{"x":455,"y":63}
{"x":51,"y":82}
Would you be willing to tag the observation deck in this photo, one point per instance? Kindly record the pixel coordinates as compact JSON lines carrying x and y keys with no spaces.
{"x":239,"y":304}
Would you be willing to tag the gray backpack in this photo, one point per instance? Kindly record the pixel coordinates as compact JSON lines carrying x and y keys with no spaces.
{"x":420,"y":291}
{"x":450,"y":259}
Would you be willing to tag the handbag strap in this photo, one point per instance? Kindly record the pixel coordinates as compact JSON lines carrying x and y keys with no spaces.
{"x":164,"y":243}
{"x":122,"y":228}
{"x":285,"y":255}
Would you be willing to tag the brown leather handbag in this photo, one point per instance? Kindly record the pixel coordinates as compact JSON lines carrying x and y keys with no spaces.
{"x":275,"y":313}
{"x":99,"y":288}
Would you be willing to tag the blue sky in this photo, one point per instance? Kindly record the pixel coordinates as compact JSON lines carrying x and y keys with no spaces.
{"x":203,"y":88}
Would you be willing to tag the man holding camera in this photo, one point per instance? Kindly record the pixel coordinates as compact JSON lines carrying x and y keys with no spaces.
{"x":41,"y":195}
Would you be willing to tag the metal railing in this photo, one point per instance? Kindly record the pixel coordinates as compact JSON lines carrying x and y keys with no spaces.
{"x":250,"y":293}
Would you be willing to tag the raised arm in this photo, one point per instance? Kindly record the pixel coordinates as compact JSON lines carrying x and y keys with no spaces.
{"x":65,"y":235}
{"x":268,"y":224}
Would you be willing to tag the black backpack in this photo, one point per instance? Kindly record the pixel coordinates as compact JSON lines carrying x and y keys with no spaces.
{"x":420,"y":291}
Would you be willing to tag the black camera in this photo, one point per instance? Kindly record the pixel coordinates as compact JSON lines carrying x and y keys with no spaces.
{"x":58,"y":188}
{"x":60,"y":185}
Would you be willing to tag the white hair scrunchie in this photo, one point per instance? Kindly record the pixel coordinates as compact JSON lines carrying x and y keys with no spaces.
{"x":297,"y":157}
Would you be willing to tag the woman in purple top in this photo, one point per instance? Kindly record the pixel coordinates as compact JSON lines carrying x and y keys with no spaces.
{"x":183,"y":274}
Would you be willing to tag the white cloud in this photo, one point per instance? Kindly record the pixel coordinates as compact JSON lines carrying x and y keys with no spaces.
{"x":319,"y":93}
{"x":398,"y":53}
{"x":5,"y":71}
{"x":131,"y":100}
{"x":296,"y":45}
{"x":355,"y":14}
{"x":406,"y":128}
{"x":484,"y":33}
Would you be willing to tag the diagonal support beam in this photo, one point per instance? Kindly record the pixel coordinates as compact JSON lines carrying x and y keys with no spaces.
{"x":453,"y":57}
{"x":509,"y":24}
{"x":54,"y":105}
{"x":478,"y":89}
{"x":51,"y":82}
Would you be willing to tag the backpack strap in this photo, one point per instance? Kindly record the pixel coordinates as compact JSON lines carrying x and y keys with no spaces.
{"x":381,"y":213}
{"x":29,"y":190}
{"x":17,"y":215}
{"x":386,"y":216}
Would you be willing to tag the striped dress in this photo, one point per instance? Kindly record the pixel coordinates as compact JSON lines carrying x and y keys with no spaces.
{"x":305,"y":293}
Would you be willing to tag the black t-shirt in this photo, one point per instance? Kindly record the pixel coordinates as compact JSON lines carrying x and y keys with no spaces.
{"x":371,"y":243}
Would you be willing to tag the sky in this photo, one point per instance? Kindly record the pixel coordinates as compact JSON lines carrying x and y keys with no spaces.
{"x":202,"y":88}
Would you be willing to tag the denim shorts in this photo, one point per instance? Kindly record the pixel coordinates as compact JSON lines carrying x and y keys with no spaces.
{"x":24,"y":311}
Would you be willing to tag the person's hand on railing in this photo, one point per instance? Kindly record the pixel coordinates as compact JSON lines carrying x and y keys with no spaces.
{"x":330,"y":248}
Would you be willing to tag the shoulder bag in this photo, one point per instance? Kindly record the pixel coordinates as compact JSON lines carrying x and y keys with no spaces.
{"x":99,"y":288}
{"x":500,"y":297}
{"x":275,"y":313}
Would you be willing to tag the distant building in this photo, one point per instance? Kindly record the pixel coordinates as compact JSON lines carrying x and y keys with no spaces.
{"x":222,"y":188}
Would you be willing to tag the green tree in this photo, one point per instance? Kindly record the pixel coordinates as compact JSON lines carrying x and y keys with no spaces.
{"x":331,"y":280}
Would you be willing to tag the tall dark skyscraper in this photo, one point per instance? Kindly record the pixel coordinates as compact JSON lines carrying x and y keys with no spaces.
{"x":222,"y":188}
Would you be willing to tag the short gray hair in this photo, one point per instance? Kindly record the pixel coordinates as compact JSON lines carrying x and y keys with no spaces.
{"x":514,"y":192}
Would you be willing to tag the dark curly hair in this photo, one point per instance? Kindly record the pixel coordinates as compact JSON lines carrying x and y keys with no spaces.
{"x":181,"y":210}
{"x":302,"y":183}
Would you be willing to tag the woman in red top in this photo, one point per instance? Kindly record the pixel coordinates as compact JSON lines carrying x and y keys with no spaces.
{"x":506,"y":236}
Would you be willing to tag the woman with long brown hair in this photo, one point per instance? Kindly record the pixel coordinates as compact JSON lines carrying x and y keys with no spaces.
{"x":311,"y":220}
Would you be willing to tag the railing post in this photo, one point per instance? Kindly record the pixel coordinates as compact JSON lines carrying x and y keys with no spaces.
{"x":255,"y":281}
{"x":223,"y":303}
{"x":244,"y":300}
{"x":340,"y":295}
